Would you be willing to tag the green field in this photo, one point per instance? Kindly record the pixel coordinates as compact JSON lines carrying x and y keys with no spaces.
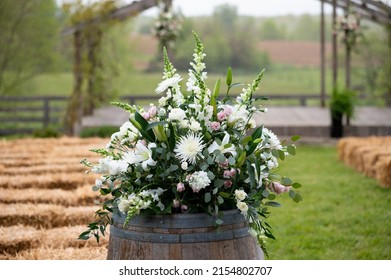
{"x":344,"y":215}
{"x":281,"y":81}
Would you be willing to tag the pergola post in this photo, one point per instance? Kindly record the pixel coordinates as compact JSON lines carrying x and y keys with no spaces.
{"x":348,"y":53}
{"x":335,"y":47}
{"x":322,"y":57}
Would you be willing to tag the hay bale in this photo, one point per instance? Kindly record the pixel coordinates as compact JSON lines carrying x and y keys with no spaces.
{"x":82,"y":196}
{"x":88,"y":253}
{"x":383,"y":171}
{"x":368,"y":155}
{"x":66,"y":181}
{"x":17,"y":238}
{"x":45,"y":215}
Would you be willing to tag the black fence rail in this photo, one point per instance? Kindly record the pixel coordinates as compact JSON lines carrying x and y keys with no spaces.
{"x":23,"y":115}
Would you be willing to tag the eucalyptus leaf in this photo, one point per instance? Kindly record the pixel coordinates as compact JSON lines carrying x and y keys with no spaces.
{"x":207,"y":197}
{"x":291,"y":149}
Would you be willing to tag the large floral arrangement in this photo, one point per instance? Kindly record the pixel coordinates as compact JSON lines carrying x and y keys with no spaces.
{"x":194,"y":152}
{"x":348,"y":28}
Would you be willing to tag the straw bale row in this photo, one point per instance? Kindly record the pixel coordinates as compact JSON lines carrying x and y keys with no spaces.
{"x":18,"y":238}
{"x":66,"y":181}
{"x":81,"y":196}
{"x":40,"y":169}
{"x":46,"y":199}
{"x":370,"y":155}
{"x":70,"y":253}
{"x":45,"y":215}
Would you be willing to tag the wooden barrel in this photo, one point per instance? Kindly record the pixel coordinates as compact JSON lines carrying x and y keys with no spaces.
{"x":182,"y":237}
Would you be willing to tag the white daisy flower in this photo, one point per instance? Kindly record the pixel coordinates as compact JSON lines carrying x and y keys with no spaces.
{"x":170,"y":82}
{"x":189,"y":148}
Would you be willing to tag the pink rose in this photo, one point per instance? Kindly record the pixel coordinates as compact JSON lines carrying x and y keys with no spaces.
{"x":184,"y":208}
{"x":152,"y":111}
{"x":176,"y":203}
{"x":180,"y":187}
{"x":146,"y":115}
{"x":278,"y":188}
{"x":227,"y":174}
{"x":232,"y":172}
{"x":227,"y":184}
{"x":215,"y":125}
{"x":221,"y":116}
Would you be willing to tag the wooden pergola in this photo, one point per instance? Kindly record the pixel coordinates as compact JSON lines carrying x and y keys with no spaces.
{"x":373,"y":10}
{"x":74,"y":112}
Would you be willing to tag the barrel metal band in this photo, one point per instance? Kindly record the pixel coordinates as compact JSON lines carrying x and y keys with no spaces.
{"x":178,"y":238}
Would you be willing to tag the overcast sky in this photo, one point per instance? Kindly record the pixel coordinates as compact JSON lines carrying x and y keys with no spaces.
{"x":245,"y":7}
{"x":250,"y":7}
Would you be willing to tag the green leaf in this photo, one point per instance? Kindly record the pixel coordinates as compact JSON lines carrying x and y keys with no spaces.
{"x":224,"y":194}
{"x":273,"y":204}
{"x":171,"y":139}
{"x":218,"y":183}
{"x":296,"y":185}
{"x":144,"y":124}
{"x":251,"y":174}
{"x":208,"y":197}
{"x":281,"y":154}
{"x":231,"y":160}
{"x":297,"y":198}
{"x":220,"y":200}
{"x":173,"y":168}
{"x":292,"y":194}
{"x":272,"y":196}
{"x":229,"y":76}
{"x":291,"y":149}
{"x":214,"y":97}
{"x":295,"y":138}
{"x":152,"y":125}
{"x":286,"y":181}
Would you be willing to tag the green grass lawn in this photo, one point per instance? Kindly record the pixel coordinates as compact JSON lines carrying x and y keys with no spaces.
{"x":280,"y":81}
{"x":344,"y":215}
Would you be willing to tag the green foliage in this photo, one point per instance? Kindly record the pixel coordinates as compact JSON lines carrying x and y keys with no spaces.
{"x":100,"y":131}
{"x":271,"y":31}
{"x":342,"y":102}
{"x":28,"y":38}
{"x":48,"y":132}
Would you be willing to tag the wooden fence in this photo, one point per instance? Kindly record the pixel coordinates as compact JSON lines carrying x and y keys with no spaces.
{"x":23,"y":115}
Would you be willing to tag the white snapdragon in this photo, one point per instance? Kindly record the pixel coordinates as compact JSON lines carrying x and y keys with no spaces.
{"x":117,"y":166}
{"x":103,"y":166}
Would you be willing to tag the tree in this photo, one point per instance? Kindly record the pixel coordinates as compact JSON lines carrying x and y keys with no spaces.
{"x":270,"y":31}
{"x":28,"y":37}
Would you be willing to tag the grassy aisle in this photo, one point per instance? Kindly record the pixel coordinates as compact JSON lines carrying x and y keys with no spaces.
{"x":344,"y":215}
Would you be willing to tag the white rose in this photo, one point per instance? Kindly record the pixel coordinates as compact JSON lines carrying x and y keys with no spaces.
{"x":123,"y":205}
{"x":195,"y":126}
{"x":243,"y":207}
{"x":240,"y":195}
{"x":177,"y":114}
